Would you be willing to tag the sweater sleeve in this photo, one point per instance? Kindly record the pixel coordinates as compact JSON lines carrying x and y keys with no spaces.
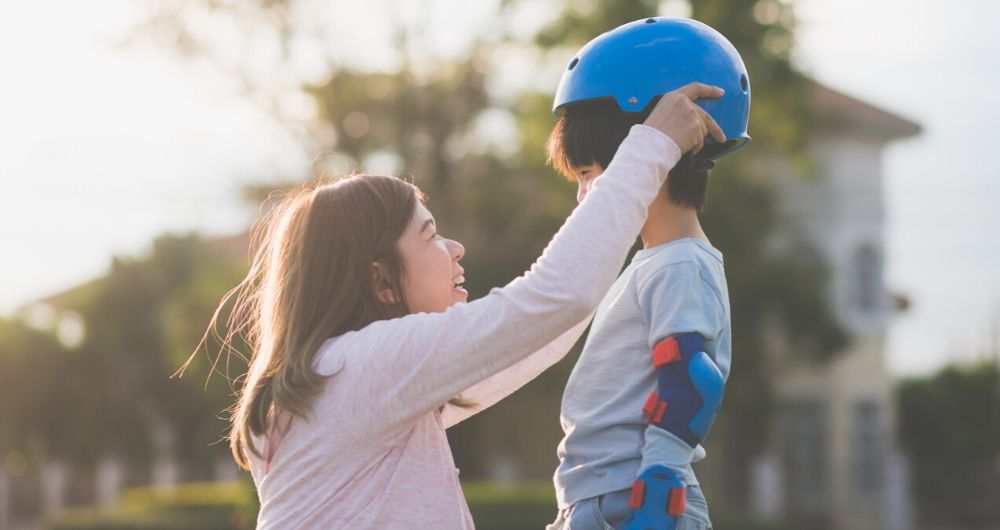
{"x":494,"y":388}
{"x":403,"y":368}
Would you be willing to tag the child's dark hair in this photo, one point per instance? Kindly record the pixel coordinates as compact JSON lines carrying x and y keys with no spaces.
{"x":590,"y":133}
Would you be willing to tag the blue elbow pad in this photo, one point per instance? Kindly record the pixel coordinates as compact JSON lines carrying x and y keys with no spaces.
{"x":689,"y":388}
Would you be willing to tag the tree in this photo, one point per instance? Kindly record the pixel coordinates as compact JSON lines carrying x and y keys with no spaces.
{"x":949,"y":425}
{"x":30,"y":416}
{"x":104,"y":397}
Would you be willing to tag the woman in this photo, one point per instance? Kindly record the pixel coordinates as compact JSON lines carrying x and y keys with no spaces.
{"x":364,"y":352}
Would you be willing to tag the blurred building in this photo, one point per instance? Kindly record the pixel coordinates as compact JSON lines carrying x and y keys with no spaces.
{"x":832,"y":460}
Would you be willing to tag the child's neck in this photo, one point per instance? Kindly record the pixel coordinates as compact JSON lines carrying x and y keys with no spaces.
{"x":669,"y":222}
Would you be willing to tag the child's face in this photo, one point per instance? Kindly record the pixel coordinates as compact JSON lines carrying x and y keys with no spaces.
{"x":585,"y":176}
{"x":432,"y":277}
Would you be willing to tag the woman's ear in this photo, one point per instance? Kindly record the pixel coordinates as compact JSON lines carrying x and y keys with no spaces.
{"x":384,"y":292}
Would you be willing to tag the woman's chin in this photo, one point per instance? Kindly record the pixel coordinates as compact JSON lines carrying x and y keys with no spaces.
{"x":459,"y":295}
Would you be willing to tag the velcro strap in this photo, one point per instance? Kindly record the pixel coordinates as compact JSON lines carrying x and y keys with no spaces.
{"x":638,"y":497}
{"x":654,"y":408}
{"x":677,"y":502}
{"x":666,"y":351}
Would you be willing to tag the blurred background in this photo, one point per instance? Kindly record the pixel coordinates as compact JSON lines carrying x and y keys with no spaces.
{"x":139,"y":141}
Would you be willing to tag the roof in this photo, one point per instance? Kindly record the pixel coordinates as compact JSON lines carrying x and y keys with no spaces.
{"x":837,"y":110}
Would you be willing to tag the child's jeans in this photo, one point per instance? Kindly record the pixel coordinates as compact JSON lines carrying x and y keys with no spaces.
{"x":608,"y":512}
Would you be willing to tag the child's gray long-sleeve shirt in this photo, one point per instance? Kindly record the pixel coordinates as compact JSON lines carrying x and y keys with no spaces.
{"x":677,"y":287}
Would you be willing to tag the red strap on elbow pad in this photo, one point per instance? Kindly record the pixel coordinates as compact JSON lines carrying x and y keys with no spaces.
{"x":638,"y":497}
{"x":666,"y":351}
{"x":654,"y":408}
{"x":678,"y":501}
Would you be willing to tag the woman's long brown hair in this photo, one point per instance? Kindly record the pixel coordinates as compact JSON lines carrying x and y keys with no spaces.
{"x":310,"y":279}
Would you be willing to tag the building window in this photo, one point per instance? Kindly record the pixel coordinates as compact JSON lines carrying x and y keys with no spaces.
{"x":866,"y":451}
{"x":867,"y":278}
{"x":803,"y":433}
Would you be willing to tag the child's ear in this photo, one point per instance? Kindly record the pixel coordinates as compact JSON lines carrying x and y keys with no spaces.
{"x":384,"y":292}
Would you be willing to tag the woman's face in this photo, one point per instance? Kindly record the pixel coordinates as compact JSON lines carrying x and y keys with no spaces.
{"x":432,"y":277}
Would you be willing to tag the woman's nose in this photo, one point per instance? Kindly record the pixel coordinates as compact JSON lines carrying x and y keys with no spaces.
{"x":457,"y":250}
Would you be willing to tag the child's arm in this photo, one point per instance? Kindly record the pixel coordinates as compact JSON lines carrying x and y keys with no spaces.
{"x":684,"y":313}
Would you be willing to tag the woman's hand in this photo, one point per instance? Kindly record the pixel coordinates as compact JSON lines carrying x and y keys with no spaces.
{"x":677,"y":116}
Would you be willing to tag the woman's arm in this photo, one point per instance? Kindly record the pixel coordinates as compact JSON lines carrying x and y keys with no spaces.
{"x":409,"y":366}
{"x":491,"y":390}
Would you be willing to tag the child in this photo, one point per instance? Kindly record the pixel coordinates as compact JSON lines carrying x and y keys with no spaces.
{"x":646,"y":387}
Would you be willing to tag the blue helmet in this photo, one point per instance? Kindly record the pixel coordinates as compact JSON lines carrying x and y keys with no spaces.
{"x":642,"y":60}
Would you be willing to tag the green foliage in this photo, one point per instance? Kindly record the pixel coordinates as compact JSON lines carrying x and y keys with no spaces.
{"x":194,"y":506}
{"x":191,"y":497}
{"x":30,"y":413}
{"x":510,"y":506}
{"x":233,"y":506}
{"x":580,"y":22}
{"x":143,"y":318}
{"x":949,"y":425}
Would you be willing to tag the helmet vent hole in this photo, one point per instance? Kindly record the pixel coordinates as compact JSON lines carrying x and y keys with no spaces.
{"x":572,"y":64}
{"x":744,"y":84}
{"x":650,"y":20}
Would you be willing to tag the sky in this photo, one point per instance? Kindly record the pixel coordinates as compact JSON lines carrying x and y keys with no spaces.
{"x":104,"y":146}
{"x":934,"y":63}
{"x":101,"y":148}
